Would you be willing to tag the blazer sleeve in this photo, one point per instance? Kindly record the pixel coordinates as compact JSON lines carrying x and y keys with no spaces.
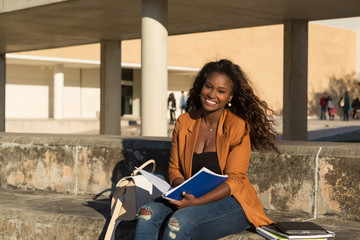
{"x":238,"y":158}
{"x":175,"y":169}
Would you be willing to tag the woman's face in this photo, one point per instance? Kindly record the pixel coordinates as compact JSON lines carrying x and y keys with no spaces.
{"x":216,"y":92}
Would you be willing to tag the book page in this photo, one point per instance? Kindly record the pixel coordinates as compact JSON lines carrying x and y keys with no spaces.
{"x":268,"y":235}
{"x":159,"y":183}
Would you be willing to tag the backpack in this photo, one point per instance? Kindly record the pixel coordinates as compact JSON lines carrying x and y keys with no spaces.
{"x":342,"y":102}
{"x":131,"y":193}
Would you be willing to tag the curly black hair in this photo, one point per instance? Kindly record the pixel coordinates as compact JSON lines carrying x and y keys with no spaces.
{"x":245,"y":104}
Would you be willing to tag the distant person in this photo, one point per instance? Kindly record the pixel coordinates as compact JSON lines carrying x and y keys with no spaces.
{"x":331,"y":108}
{"x":355,"y":105}
{"x":323,"y":105}
{"x":182,"y":102}
{"x":172,"y":107}
{"x":332,"y":112}
{"x":344,"y":103}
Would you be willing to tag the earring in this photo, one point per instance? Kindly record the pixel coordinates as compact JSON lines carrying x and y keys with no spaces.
{"x":229,"y":104}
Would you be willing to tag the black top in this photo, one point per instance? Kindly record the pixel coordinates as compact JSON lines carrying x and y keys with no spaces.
{"x":205,"y":159}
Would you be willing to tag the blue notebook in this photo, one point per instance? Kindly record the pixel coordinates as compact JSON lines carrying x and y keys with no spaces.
{"x":202,"y":182}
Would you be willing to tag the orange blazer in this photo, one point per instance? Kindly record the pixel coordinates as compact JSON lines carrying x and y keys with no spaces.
{"x":233,"y":158}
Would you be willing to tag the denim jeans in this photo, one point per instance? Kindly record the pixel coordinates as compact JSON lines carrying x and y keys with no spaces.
{"x":346,"y":114}
{"x":209,"y":221}
{"x":323,"y":113}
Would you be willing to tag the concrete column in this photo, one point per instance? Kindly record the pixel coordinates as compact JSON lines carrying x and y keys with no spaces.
{"x":295,"y":80}
{"x":58,"y":91}
{"x":2,"y":91}
{"x":136,"y":93}
{"x":154,"y":81}
{"x":110,"y":87}
{"x":358,"y":56}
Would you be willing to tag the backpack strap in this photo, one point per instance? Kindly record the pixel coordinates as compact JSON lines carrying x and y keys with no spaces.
{"x":110,"y":232}
{"x":144,"y":165}
{"x":138,"y":197}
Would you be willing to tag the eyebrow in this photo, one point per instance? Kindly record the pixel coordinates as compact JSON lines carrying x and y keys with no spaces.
{"x":208,"y":82}
{"x":224,"y":88}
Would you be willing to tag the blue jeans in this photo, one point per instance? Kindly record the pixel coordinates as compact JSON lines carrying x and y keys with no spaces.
{"x":323,"y":113}
{"x":346,"y":114}
{"x":209,"y":221}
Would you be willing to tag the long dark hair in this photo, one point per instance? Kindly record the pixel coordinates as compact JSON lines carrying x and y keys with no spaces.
{"x":245,"y":104}
{"x":171,"y":98}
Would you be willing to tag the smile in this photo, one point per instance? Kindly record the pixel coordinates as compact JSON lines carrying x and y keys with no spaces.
{"x":210,"y":102}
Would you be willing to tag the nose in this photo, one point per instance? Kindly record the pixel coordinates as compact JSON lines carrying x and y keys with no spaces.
{"x":211,"y":94}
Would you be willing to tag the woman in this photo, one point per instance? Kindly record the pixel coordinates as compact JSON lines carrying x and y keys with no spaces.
{"x":172,"y":107}
{"x":344,"y":103}
{"x":223,"y":121}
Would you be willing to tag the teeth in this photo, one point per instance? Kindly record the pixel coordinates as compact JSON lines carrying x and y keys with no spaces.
{"x":211,"y":102}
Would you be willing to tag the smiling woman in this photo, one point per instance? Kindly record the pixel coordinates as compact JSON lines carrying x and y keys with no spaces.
{"x":243,"y":103}
{"x":224,"y":119}
{"x":216,"y":92}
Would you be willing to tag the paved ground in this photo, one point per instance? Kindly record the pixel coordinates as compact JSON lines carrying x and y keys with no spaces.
{"x":325,"y":130}
{"x":317,"y":129}
{"x":315,"y":124}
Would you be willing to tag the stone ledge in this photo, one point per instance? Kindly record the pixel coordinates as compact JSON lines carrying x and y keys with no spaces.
{"x":306,"y":177}
{"x":27,"y":214}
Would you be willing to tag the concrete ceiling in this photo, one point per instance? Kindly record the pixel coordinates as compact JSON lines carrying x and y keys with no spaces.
{"x":76,"y":22}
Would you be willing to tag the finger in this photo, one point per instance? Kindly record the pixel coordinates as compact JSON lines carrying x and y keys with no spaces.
{"x":186,"y":196}
{"x":177,"y":203}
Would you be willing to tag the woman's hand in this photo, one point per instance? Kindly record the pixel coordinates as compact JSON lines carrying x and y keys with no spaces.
{"x":187,"y":201}
{"x":220,"y":192}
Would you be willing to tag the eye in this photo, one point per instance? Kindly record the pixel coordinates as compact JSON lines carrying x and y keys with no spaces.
{"x":207,"y":85}
{"x":221,"y":91}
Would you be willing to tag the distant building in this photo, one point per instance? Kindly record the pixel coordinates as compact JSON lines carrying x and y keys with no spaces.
{"x":259,"y":51}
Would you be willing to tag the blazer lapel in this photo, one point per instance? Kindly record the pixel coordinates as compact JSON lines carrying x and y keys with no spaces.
{"x":191,"y":137}
{"x":190,"y":141}
{"x":222,"y":142}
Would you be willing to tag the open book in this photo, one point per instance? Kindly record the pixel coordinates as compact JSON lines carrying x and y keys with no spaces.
{"x":202,"y":182}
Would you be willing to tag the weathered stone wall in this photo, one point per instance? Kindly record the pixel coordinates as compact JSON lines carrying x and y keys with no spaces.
{"x":311,"y":178}
{"x":75,"y":164}
{"x":314,"y":178}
